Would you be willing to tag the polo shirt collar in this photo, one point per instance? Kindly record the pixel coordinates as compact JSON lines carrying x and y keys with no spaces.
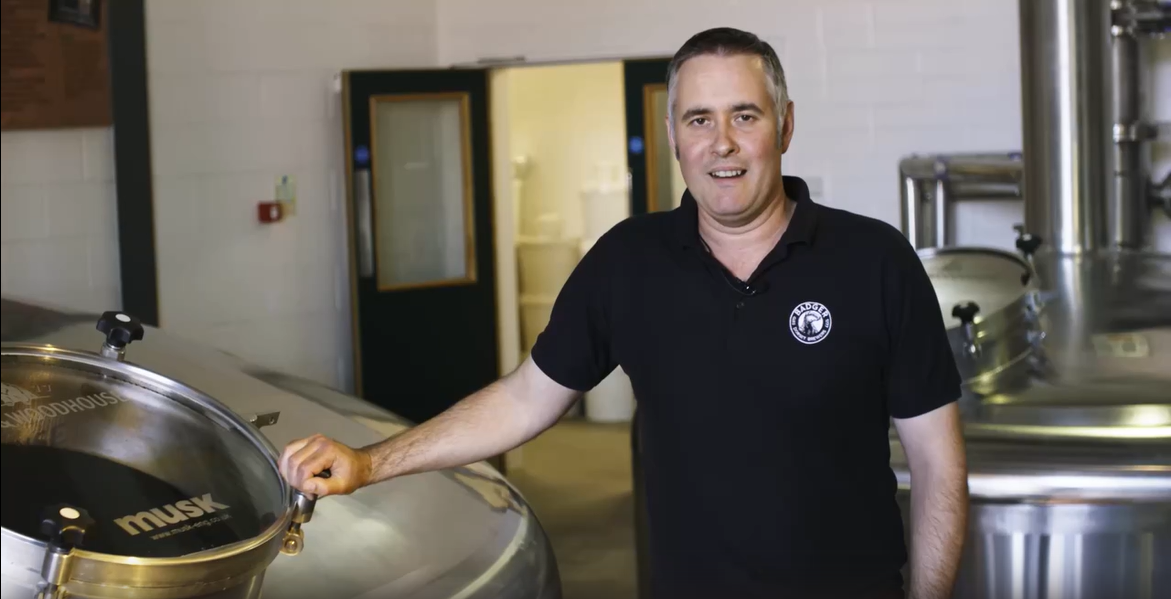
{"x":802,"y":224}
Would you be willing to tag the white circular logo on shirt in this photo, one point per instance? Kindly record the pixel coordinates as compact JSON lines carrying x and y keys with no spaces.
{"x":810,"y":322}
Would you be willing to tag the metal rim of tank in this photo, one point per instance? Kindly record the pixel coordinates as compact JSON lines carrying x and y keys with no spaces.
{"x":98,"y":574}
{"x":1009,"y":334}
{"x":1006,"y":317}
{"x":1032,"y":469}
{"x":1142,"y":421}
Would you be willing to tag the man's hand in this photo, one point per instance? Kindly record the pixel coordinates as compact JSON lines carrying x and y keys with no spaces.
{"x":303,"y":459}
{"x":939,"y":499}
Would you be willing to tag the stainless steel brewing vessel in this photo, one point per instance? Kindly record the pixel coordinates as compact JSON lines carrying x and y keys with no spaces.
{"x":139,"y":465}
{"x":1064,"y":345}
{"x":1067,"y":421}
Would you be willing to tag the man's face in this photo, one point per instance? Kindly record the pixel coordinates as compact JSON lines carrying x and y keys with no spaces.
{"x":726,"y":136}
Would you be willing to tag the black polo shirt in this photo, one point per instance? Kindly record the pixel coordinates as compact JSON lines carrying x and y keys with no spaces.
{"x":763,"y":405}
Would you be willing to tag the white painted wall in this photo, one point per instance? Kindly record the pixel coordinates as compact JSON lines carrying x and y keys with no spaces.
{"x":59,"y":229}
{"x":242,"y":91}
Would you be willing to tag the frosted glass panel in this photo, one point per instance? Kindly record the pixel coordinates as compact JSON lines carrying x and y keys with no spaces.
{"x":422,"y":187}
{"x":666,"y":180}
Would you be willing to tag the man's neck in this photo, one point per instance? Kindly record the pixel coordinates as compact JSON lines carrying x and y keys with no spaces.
{"x":741,"y":247}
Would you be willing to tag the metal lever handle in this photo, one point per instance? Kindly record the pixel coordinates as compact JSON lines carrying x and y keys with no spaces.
{"x":303,"y":506}
{"x":363,"y":212}
{"x":66,"y":527}
{"x":120,"y":329}
{"x":1027,"y":244}
{"x":966,"y":313}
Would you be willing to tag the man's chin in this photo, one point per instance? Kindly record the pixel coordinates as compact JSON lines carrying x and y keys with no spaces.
{"x":728,"y":211}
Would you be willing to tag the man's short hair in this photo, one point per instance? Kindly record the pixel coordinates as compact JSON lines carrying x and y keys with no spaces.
{"x":726,"y":41}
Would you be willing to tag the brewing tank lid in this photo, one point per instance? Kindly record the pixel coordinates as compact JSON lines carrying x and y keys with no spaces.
{"x":162,"y":469}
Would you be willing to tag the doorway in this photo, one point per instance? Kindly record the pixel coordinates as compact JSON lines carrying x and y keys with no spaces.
{"x":515,"y":171}
{"x":576,"y":149}
{"x":560,"y":154}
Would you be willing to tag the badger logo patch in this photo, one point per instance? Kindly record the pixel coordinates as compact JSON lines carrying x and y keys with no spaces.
{"x":810,"y":322}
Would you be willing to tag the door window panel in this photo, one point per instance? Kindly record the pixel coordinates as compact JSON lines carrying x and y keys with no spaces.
{"x":422,"y":183}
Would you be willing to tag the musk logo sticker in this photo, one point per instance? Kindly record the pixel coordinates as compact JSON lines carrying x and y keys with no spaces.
{"x":810,"y":322}
{"x":167,"y":515}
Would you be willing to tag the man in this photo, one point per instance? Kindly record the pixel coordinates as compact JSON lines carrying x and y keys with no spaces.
{"x":769,"y":341}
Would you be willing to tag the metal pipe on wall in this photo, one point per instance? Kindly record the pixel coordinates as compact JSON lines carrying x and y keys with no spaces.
{"x":911,"y":213}
{"x":930,"y":184}
{"x":1130,"y":194}
{"x":1063,"y":83}
{"x":1126,"y":203}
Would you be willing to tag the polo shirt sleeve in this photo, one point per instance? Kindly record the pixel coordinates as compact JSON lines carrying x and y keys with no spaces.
{"x":921,"y":369}
{"x":575,"y":348}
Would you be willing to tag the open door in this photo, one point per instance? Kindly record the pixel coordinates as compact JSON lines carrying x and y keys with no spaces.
{"x":421,"y":253}
{"x":655,"y":183}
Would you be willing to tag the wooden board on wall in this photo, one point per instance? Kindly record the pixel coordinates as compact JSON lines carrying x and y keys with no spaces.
{"x":52,"y":75}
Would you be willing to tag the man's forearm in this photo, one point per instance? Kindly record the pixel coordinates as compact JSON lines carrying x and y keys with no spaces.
{"x":484,"y":424}
{"x":496,"y":419}
{"x":939,"y":512}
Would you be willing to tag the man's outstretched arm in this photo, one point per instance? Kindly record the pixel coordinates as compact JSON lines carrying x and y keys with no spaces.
{"x":495,"y":419}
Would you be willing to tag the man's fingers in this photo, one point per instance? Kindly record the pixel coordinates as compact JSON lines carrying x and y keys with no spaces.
{"x":302,"y":460}
{"x":309,"y":469}
{"x":299,"y":461}
{"x":285,"y":463}
{"x":325,"y":486}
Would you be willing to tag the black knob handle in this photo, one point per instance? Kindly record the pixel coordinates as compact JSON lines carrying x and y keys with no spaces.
{"x":966,"y":312}
{"x":120,"y":328}
{"x":1027,"y":243}
{"x":65,"y":526}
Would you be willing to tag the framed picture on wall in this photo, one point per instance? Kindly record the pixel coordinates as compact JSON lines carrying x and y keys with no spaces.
{"x":86,"y":13}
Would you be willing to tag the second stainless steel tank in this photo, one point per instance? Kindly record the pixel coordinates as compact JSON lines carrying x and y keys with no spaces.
{"x":1069,"y":438}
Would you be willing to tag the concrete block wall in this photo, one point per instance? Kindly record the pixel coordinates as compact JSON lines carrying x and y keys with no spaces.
{"x":59,"y":229}
{"x":243,"y":91}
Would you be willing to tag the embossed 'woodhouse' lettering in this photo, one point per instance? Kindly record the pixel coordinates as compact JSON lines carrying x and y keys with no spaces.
{"x":57,"y":409}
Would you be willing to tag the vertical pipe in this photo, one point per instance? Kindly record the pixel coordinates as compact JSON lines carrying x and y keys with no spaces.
{"x":1063,"y":59}
{"x":942,"y":237}
{"x":1127,"y":202}
{"x":912,"y":212}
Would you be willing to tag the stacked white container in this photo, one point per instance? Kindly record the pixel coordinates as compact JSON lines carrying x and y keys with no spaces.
{"x":605,"y":203}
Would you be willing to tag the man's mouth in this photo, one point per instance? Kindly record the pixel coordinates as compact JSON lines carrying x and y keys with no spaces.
{"x":728,"y":173}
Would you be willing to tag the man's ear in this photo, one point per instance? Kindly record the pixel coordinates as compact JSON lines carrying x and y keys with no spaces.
{"x":671,"y":135}
{"x":787,"y":128}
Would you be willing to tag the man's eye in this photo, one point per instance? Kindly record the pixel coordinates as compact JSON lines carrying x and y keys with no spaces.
{"x":698,"y":120}
{"x":747,"y":117}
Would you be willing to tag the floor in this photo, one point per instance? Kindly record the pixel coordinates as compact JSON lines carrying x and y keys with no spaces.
{"x":577,"y":478}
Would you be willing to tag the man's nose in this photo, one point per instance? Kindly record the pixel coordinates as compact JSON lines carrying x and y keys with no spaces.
{"x":724,"y":145}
